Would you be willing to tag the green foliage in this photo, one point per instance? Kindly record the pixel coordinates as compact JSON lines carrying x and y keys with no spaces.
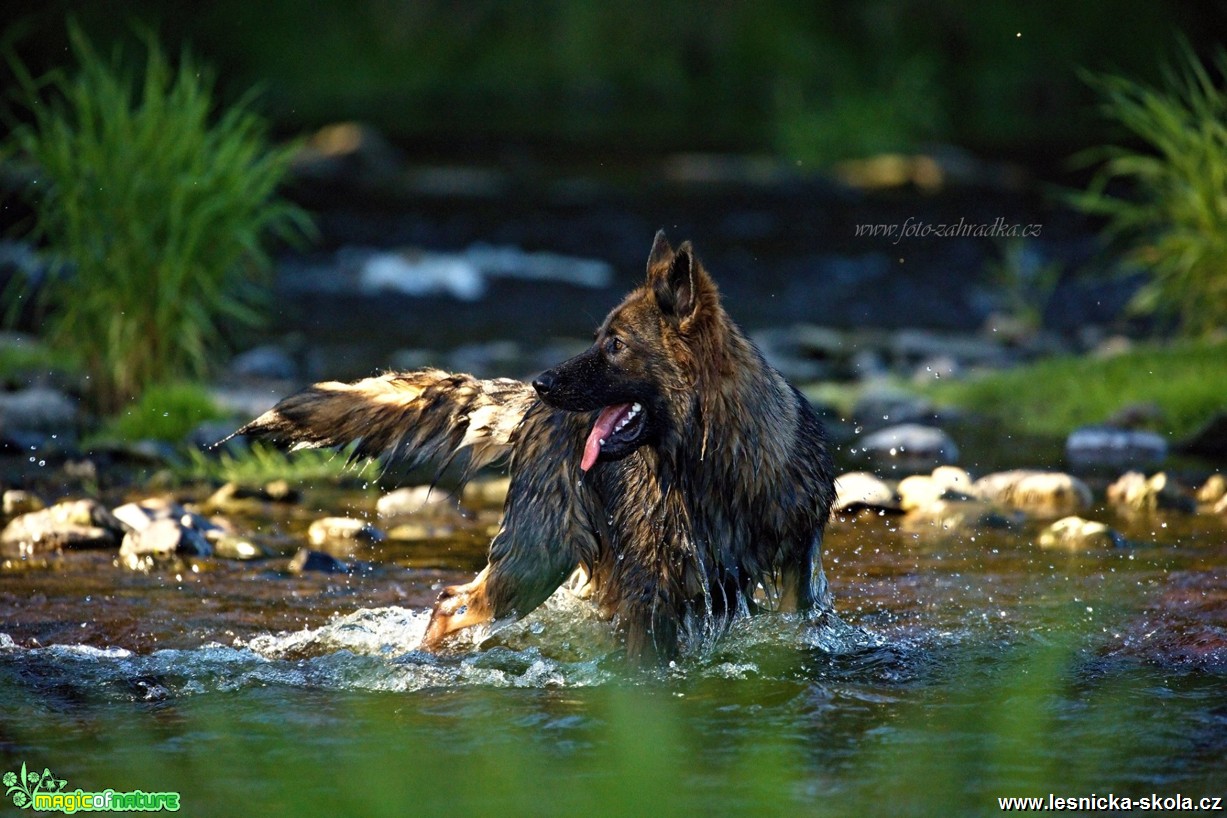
{"x":1026,"y":282}
{"x":162,"y":412}
{"x":1052,"y":397}
{"x":21,"y":357}
{"x":262,"y":463}
{"x":1176,"y":225}
{"x":155,"y":210}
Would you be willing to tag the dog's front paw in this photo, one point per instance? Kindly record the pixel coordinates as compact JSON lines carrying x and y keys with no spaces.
{"x":458,"y":607}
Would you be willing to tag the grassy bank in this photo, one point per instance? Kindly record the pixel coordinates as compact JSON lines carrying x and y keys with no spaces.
{"x":1187,"y":382}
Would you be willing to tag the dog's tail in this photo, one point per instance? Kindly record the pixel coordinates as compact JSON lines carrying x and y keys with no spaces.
{"x":423,"y":416}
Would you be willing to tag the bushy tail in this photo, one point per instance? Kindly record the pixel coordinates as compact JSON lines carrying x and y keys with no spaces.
{"x":422,"y":416}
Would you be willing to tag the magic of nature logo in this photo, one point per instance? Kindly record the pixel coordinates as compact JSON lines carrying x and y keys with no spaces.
{"x":43,"y":792}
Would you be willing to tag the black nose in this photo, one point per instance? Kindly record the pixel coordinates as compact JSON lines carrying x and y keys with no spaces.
{"x":545,"y":382}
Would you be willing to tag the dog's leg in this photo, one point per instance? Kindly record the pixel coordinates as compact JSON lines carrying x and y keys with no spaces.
{"x":545,"y":533}
{"x":803,"y":585}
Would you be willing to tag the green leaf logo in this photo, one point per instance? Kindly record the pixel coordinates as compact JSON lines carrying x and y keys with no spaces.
{"x":21,"y":787}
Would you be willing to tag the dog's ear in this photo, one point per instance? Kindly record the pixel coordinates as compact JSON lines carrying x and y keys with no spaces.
{"x":662,"y":252}
{"x":681,"y":286}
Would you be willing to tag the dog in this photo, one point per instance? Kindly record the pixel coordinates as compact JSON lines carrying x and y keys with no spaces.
{"x":669,"y":462}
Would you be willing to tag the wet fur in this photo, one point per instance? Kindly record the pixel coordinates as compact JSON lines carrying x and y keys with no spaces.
{"x":719,"y":512}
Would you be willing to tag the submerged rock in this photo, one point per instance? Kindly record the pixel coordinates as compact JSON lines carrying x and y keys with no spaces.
{"x":910,"y":448}
{"x":946,"y":482}
{"x":309,"y":560}
{"x":1076,"y":533}
{"x":1110,"y":447}
{"x":17,"y":502}
{"x":1136,"y":492}
{"x":1043,"y":493}
{"x":957,"y":516}
{"x":162,"y":542}
{"x":1213,"y":490}
{"x":235,"y":547}
{"x":234,"y":498}
{"x":416,"y":500}
{"x":414,"y":532}
{"x":862,"y":490}
{"x":328,"y":529}
{"x":70,"y":524}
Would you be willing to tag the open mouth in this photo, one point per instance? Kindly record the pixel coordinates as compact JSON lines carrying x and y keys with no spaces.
{"x":613,"y":434}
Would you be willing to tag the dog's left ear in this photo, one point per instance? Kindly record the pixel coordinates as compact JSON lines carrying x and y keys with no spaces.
{"x":682,"y":286}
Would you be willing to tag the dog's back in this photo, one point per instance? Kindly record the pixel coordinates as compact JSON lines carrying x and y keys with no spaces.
{"x":670,"y":461}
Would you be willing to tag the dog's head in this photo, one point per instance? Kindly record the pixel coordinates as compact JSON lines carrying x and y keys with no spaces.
{"x":641,"y":371}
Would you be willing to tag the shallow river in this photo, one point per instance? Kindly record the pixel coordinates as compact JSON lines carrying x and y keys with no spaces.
{"x":972,"y":666}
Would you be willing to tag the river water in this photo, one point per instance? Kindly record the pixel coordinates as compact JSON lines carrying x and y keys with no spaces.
{"x":968,"y":666}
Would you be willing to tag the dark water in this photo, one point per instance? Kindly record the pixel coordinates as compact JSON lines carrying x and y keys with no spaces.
{"x":973,"y":666}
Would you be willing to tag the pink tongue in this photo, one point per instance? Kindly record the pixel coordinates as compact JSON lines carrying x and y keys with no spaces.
{"x":601,"y":430}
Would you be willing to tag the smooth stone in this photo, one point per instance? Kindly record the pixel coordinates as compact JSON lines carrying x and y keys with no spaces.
{"x":414,"y":500}
{"x":1076,"y":533}
{"x":232,"y":547}
{"x":1137,"y":492}
{"x":17,"y":501}
{"x":23,"y":538}
{"x":910,"y":448}
{"x":414,"y":532}
{"x":1110,"y":447}
{"x":1213,"y":490}
{"x":37,"y":409}
{"x":1044,"y":493}
{"x":945,"y":483}
{"x":308,"y":560}
{"x":342,"y":528}
{"x":957,"y":516}
{"x":862,"y":490}
{"x":162,"y":542}
{"x":236,"y":498}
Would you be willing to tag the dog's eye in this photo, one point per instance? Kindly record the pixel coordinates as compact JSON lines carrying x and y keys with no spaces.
{"x":614,"y":344}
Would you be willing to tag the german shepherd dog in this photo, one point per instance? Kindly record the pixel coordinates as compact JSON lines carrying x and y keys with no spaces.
{"x":669,"y":462}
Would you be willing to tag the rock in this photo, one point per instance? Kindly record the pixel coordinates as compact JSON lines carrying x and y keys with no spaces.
{"x":269,"y":362}
{"x":1135,"y":492}
{"x":1210,"y":441}
{"x":37,"y":409}
{"x":414,"y":500}
{"x":1046,"y":494}
{"x":17,"y":502}
{"x":1221,"y":507}
{"x":1136,"y":416}
{"x":882,"y":408}
{"x":1076,"y":533}
{"x":342,"y":528}
{"x":308,"y":560}
{"x":163,"y":541}
{"x":232,"y":547}
{"x":909,"y":448}
{"x":491,"y":491}
{"x":35,"y":534}
{"x":946,"y":482}
{"x":1108,"y":447}
{"x":861,"y":490}
{"x":957,"y":515}
{"x":1213,"y":490}
{"x":416,"y":531}
{"x":234,"y":498}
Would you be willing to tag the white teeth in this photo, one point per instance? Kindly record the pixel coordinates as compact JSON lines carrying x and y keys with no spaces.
{"x":635,"y":408}
{"x":602,"y":441}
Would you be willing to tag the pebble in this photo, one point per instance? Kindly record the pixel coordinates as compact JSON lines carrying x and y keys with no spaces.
{"x":1213,"y":490}
{"x":162,"y":542}
{"x":1075,"y":533}
{"x":414,"y":532}
{"x":21,"y":539}
{"x":1043,"y":493}
{"x":909,"y":448}
{"x":1109,"y":447}
{"x":309,"y":560}
{"x":957,"y":516}
{"x":1137,"y":492}
{"x":414,"y":500}
{"x":233,"y":547}
{"x":946,"y":482}
{"x":862,"y":490}
{"x":342,"y":528}
{"x":17,"y":501}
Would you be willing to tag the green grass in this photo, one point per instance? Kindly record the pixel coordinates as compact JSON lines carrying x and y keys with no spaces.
{"x":263,"y":462}
{"x":163,"y":412}
{"x":1175,"y":221}
{"x":1187,"y":381}
{"x":155,"y":208}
